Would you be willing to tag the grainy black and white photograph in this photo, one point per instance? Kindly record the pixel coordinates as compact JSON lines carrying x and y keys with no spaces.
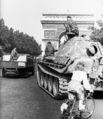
{"x":51,"y":59}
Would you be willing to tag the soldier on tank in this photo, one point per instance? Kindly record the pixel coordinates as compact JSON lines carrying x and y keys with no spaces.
{"x":72,"y":28}
{"x":49,"y":50}
{"x":14,"y":54}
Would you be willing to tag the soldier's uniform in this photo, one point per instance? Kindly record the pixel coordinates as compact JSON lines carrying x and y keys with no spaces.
{"x":72,"y":26}
{"x":49,"y":51}
{"x":14,"y":54}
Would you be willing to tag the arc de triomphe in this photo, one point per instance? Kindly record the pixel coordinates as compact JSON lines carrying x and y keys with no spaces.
{"x":53,"y":25}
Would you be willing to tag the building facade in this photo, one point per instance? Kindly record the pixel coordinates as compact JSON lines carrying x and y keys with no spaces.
{"x":53,"y":26}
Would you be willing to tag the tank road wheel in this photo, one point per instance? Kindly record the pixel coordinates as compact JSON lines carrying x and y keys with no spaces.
{"x":45,"y":81}
{"x":50,"y":84}
{"x":42,"y":79}
{"x":55,"y":87}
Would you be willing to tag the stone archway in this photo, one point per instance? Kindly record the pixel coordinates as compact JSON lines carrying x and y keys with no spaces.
{"x":53,"y":26}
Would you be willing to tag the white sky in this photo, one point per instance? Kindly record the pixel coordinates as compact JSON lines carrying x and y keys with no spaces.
{"x":25,"y":15}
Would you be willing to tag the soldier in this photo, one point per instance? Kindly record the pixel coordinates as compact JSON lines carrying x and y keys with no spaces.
{"x":72,"y":26}
{"x":14,"y":54}
{"x":71,"y":29}
{"x":49,"y":50}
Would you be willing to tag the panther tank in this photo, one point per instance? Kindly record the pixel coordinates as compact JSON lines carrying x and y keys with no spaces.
{"x":54,"y":72}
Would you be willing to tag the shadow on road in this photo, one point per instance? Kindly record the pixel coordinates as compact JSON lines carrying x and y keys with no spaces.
{"x":18,"y":76}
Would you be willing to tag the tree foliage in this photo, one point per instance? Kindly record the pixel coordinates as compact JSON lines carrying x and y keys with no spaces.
{"x":23,"y":42}
{"x":97,"y":34}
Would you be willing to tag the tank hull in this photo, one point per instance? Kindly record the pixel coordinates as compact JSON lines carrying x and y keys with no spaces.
{"x":54,"y":73}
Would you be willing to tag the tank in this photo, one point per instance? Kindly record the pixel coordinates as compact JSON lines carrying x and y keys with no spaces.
{"x":54,"y":72}
{"x":21,"y":65}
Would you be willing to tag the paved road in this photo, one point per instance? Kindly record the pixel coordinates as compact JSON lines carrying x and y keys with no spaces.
{"x":21,"y":98}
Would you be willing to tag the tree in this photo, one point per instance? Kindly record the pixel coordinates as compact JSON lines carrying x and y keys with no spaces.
{"x":97,"y":34}
{"x":23,"y":42}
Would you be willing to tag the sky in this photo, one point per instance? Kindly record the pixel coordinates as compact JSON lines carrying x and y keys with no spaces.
{"x":25,"y":15}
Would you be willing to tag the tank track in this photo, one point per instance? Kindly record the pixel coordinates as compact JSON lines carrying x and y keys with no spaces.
{"x":54,"y":83}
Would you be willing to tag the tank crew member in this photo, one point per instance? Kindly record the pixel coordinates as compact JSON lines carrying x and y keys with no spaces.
{"x":72,"y":26}
{"x":14,"y":54}
{"x":49,"y":50}
{"x":71,"y":29}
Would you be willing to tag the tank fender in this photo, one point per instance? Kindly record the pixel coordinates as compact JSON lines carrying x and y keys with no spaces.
{"x":86,"y":61}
